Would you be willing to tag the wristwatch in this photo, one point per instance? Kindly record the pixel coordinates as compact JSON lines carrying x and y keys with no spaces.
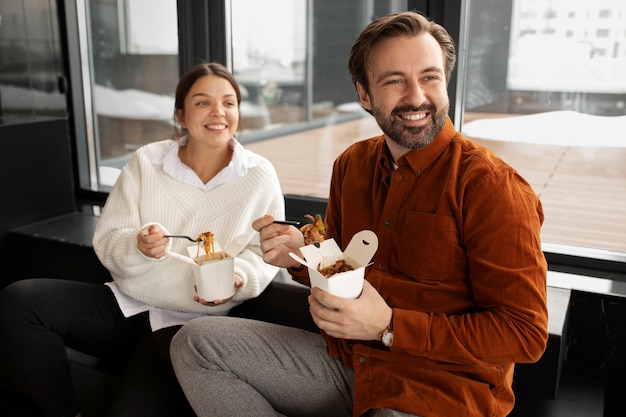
{"x":387,"y":335}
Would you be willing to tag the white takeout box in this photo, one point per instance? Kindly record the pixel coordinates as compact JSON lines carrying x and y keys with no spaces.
{"x":214,"y":279}
{"x":358,"y":254}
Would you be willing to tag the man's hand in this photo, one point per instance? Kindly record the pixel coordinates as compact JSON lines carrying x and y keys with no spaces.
{"x":277,"y":240}
{"x":363,"y":318}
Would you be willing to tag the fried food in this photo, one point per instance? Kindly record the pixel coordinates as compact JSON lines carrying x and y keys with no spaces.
{"x":337,"y":267}
{"x":315,"y":231}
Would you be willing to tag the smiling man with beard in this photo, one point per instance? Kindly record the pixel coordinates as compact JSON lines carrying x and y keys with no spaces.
{"x":404,"y":85}
{"x":455,"y":295}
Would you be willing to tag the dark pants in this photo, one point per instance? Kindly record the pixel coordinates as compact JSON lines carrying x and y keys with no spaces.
{"x":40,"y":317}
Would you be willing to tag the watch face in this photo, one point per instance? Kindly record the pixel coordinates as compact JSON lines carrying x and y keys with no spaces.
{"x":387,"y":339}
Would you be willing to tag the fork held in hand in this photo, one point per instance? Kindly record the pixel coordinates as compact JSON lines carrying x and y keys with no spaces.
{"x":183,"y":237}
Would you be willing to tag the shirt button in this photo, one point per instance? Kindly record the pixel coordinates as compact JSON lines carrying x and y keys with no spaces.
{"x":387,"y":223}
{"x":361,"y":359}
{"x":379,"y":267}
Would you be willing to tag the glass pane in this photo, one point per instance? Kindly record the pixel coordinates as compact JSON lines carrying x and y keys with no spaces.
{"x":269,"y":60}
{"x":31,"y":66}
{"x":290,"y":57}
{"x":134,"y":52}
{"x":545,"y":89}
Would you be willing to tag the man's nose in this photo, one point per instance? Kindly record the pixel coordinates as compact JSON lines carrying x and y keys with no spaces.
{"x":415,"y":94}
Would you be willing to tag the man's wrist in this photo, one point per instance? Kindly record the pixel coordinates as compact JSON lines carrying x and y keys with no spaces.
{"x":386,"y":336}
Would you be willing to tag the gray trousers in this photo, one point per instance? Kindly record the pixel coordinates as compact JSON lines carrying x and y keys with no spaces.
{"x":236,"y":367}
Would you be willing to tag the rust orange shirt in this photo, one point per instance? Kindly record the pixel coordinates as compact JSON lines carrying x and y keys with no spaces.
{"x":459,"y":261}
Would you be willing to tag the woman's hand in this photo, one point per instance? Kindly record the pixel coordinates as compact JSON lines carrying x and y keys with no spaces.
{"x":277,"y":240}
{"x":151,"y":242}
{"x":198,"y":299}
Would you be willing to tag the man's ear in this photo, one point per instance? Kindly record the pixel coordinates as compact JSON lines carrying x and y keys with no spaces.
{"x":364,"y":98}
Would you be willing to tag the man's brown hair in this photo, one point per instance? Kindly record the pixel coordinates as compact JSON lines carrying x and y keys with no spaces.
{"x":391,"y":26}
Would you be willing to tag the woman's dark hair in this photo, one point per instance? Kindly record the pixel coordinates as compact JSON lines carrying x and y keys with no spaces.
{"x":391,"y":26}
{"x":190,"y":77}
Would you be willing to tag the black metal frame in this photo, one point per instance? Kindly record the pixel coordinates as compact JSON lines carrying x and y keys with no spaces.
{"x":201,"y":32}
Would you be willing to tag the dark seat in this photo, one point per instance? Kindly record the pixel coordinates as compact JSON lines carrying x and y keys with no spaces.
{"x":67,"y":253}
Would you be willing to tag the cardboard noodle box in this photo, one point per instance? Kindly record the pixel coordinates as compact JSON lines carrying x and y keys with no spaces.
{"x":358,"y":254}
{"x":214,"y":279}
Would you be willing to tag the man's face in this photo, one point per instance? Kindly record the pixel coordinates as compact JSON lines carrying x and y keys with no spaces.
{"x":408,"y":95}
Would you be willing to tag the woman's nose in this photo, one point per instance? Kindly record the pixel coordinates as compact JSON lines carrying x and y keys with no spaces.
{"x":217,"y":111}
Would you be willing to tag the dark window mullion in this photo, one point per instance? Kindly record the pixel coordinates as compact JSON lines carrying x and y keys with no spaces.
{"x":201,"y":32}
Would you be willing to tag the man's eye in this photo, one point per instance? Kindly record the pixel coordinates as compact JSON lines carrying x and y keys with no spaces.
{"x":392,"y":83}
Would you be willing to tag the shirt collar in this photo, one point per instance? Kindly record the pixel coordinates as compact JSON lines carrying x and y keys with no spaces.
{"x":385,"y":161}
{"x":420,"y":159}
{"x":240,"y":162}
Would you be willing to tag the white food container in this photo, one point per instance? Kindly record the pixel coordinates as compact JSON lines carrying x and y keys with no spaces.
{"x":358,"y":254}
{"x":214,"y":279}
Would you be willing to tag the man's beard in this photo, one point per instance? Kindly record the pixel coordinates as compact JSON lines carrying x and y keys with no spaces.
{"x":411,"y":137}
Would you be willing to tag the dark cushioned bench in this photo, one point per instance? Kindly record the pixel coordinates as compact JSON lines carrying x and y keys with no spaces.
{"x":65,"y":251}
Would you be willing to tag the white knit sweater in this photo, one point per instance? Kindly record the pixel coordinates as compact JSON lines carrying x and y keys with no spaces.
{"x":144,"y":194}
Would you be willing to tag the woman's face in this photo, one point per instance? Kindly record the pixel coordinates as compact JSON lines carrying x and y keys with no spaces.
{"x":211,"y":112}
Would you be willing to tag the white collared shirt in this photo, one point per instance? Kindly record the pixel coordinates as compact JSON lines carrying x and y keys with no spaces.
{"x":238,"y":166}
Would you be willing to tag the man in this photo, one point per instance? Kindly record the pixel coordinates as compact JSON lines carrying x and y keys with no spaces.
{"x":457,"y":290}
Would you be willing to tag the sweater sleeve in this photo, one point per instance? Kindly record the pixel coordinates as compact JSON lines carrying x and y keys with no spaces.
{"x":115,"y":237}
{"x":249,"y":263}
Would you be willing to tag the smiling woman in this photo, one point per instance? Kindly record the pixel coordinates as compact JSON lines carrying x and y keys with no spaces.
{"x":203,"y":180}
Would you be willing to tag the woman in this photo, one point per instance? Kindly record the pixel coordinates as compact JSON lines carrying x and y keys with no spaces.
{"x":202,"y":181}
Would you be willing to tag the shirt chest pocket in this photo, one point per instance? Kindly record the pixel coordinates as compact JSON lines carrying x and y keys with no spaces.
{"x":430,"y":247}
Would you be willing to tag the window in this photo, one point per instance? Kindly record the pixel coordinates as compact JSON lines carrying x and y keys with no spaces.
{"x":540,"y":84}
{"x":290,"y":56}
{"x":128,"y":93}
{"x":31,"y":66}
{"x":552,"y":103}
{"x":269,"y":53}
